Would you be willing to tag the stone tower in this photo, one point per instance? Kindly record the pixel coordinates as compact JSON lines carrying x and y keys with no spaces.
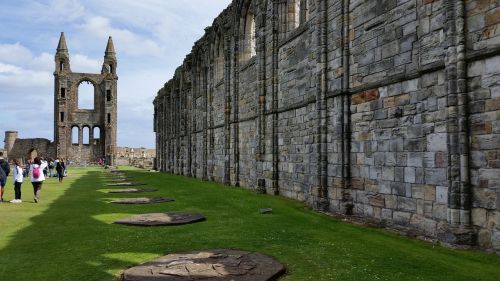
{"x":84,"y":135}
{"x":10,"y":139}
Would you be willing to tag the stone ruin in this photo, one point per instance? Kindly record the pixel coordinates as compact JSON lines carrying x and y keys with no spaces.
{"x":388,"y":110}
{"x":81,"y":135}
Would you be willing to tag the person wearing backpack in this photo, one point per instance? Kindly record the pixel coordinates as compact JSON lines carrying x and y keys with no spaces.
{"x":37,"y":176}
{"x":18,"y":181}
{"x":4,"y":173}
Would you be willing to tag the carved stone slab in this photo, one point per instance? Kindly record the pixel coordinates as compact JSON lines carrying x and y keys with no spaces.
{"x":132,"y":190}
{"x":125,"y":184}
{"x":157,"y":219}
{"x":214,"y":265}
{"x":143,"y":200}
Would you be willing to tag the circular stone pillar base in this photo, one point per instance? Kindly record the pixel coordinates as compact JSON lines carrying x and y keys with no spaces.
{"x":125,"y":184}
{"x":143,"y":200}
{"x":213,"y":265}
{"x":158,"y":219}
{"x":132,"y":190}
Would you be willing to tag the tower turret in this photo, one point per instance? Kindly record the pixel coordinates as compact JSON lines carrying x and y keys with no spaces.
{"x":10,"y":139}
{"x":111,"y":103}
{"x":62,"y":56}
{"x":109,"y":65}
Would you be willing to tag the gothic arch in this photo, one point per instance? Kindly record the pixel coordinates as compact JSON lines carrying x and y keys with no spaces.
{"x":84,"y":102}
{"x":247,"y":30}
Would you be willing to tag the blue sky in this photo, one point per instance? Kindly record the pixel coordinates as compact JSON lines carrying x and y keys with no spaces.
{"x":151,"y":39}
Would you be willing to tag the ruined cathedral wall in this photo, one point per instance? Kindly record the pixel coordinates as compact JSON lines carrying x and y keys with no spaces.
{"x":383,"y":109}
{"x":24,"y":149}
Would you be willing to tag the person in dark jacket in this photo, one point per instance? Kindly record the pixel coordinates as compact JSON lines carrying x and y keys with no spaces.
{"x":60,"y":169}
{"x":4,"y":173}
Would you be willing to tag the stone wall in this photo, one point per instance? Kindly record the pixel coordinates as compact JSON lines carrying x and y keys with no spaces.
{"x":27,"y":149}
{"x":389,"y":110}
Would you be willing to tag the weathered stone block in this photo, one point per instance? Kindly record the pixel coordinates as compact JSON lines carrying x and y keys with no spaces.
{"x":407,"y":204}
{"x":364,"y":97}
{"x":484,"y":198}
{"x":484,"y":238}
{"x":401,"y":217}
{"x":479,"y":216}
{"x":442,"y":194}
{"x":376,"y":200}
{"x":391,"y":201}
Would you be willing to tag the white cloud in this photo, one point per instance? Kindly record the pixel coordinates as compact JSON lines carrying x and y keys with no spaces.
{"x":14,"y":53}
{"x":82,"y":63}
{"x":55,"y":11}
{"x":129,"y":42}
{"x":12,"y":76}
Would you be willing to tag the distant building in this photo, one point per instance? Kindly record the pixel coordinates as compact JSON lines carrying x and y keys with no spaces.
{"x":139,"y":157}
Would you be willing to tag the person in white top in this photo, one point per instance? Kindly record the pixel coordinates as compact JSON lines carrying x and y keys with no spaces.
{"x":37,"y":176}
{"x":18,"y":181}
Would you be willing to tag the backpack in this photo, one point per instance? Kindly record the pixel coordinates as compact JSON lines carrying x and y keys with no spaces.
{"x":36,"y":172}
{"x":5,"y":166}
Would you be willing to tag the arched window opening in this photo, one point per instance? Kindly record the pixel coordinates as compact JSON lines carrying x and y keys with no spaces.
{"x":32,"y":154}
{"x":250,"y":37}
{"x":293,"y":14}
{"x":61,"y":65}
{"x":86,"y":93}
{"x":86,"y":135}
{"x":304,"y":11}
{"x":110,"y":68}
{"x":219,"y":59}
{"x":97,"y":133}
{"x":75,"y":133}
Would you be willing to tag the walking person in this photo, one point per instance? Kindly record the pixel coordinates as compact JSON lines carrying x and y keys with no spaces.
{"x":60,"y":169}
{"x":46,"y":169}
{"x":18,"y":181}
{"x":51,"y":168}
{"x":37,"y":177}
{"x":4,"y":173}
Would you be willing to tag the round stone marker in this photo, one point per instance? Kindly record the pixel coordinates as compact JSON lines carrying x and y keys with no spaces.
{"x":208,"y":266}
{"x":125,"y":184}
{"x":143,"y":200}
{"x":132,"y":190}
{"x":157,"y":219}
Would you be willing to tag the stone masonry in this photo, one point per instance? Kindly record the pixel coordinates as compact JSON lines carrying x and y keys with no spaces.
{"x":99,"y":123}
{"x":68,"y":116}
{"x":384,"y":109}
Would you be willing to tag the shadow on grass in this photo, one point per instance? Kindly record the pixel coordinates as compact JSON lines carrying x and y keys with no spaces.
{"x":74,"y":239}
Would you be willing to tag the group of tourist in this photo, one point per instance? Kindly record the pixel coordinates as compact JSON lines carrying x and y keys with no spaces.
{"x":38,"y":170}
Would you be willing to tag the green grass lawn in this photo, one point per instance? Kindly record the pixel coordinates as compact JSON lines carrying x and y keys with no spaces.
{"x":69,"y":235}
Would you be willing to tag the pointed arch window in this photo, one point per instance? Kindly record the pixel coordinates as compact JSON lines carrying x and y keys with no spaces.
{"x":86,"y":94}
{"x":249,"y":38}
{"x":219,"y":58}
